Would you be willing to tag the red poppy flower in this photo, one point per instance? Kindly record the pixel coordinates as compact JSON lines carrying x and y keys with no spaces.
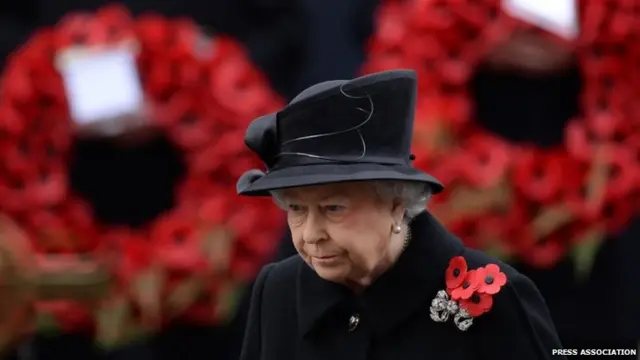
{"x":245,"y":221}
{"x":457,"y":72}
{"x":486,"y":160}
{"x":493,"y":280}
{"x":425,"y":16}
{"x":616,"y":214}
{"x":48,"y":186}
{"x":606,"y":123}
{"x":577,"y":140}
{"x":135,"y":254}
{"x":18,"y":156}
{"x":239,"y":86}
{"x":214,"y":210}
{"x":469,"y":285}
{"x":477,"y":304}
{"x":466,"y":228}
{"x":191,"y":131}
{"x":12,"y":122}
{"x":623,"y":173}
{"x":456,"y":272}
{"x":177,"y":242}
{"x":539,"y":175}
{"x":546,"y":254}
{"x":211,"y":158}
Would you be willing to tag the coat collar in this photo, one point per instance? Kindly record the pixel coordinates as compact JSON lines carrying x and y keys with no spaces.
{"x":419,"y":273}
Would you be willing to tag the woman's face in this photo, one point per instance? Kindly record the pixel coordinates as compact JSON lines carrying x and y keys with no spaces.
{"x":344,"y":231}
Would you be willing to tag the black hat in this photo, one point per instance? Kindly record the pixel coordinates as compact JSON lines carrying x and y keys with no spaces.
{"x":338,"y":131}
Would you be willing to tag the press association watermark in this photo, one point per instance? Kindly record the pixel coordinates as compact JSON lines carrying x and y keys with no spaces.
{"x":594,"y":352}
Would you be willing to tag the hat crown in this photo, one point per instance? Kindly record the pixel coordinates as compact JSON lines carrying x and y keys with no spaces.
{"x":338,"y":131}
{"x":365,"y":120}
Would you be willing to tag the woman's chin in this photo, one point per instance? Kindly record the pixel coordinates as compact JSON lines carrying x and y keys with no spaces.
{"x":333,"y":272}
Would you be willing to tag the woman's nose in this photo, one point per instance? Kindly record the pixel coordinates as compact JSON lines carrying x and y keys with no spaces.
{"x":314,"y":228}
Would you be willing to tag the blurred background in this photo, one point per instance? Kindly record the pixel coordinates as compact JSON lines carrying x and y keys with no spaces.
{"x":121,"y":132}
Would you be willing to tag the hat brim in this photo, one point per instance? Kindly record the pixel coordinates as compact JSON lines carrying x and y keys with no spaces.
{"x":251,"y":184}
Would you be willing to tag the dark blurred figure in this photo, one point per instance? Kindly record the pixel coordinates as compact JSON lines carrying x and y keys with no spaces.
{"x":17,"y":21}
{"x":337,"y":32}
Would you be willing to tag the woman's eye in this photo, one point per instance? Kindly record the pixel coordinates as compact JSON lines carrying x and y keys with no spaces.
{"x":295,"y":208}
{"x":334,"y":208}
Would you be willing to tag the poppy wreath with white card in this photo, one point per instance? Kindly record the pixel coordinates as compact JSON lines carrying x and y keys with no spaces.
{"x":513,"y":199}
{"x":105,"y":74}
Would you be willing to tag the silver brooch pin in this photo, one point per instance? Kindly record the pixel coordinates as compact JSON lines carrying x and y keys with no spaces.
{"x":442,"y":308}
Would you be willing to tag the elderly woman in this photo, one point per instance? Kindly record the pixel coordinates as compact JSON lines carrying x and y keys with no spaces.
{"x":377,"y":277}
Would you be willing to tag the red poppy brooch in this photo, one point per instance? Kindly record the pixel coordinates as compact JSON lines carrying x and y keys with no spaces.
{"x":469,"y":293}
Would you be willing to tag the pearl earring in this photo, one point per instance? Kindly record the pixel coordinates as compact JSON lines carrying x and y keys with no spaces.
{"x":396,"y":229}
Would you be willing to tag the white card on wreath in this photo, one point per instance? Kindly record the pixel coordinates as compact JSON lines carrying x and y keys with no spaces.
{"x":101,"y":85}
{"x":557,"y":16}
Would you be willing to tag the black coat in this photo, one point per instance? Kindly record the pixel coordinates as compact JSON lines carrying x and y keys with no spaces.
{"x":297,"y":315}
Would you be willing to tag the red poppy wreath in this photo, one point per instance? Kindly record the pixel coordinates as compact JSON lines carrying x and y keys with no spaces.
{"x":469,"y":293}
{"x":202,"y":93}
{"x":514,"y":199}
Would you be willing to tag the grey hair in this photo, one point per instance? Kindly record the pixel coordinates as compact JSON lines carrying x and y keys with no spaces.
{"x":413,"y":196}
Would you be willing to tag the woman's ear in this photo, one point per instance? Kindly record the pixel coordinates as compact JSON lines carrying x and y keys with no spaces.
{"x":397,"y":211}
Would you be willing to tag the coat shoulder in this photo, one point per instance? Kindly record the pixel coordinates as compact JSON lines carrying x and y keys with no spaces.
{"x":476,"y":259}
{"x":281,"y":277}
{"x":286,"y":270}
